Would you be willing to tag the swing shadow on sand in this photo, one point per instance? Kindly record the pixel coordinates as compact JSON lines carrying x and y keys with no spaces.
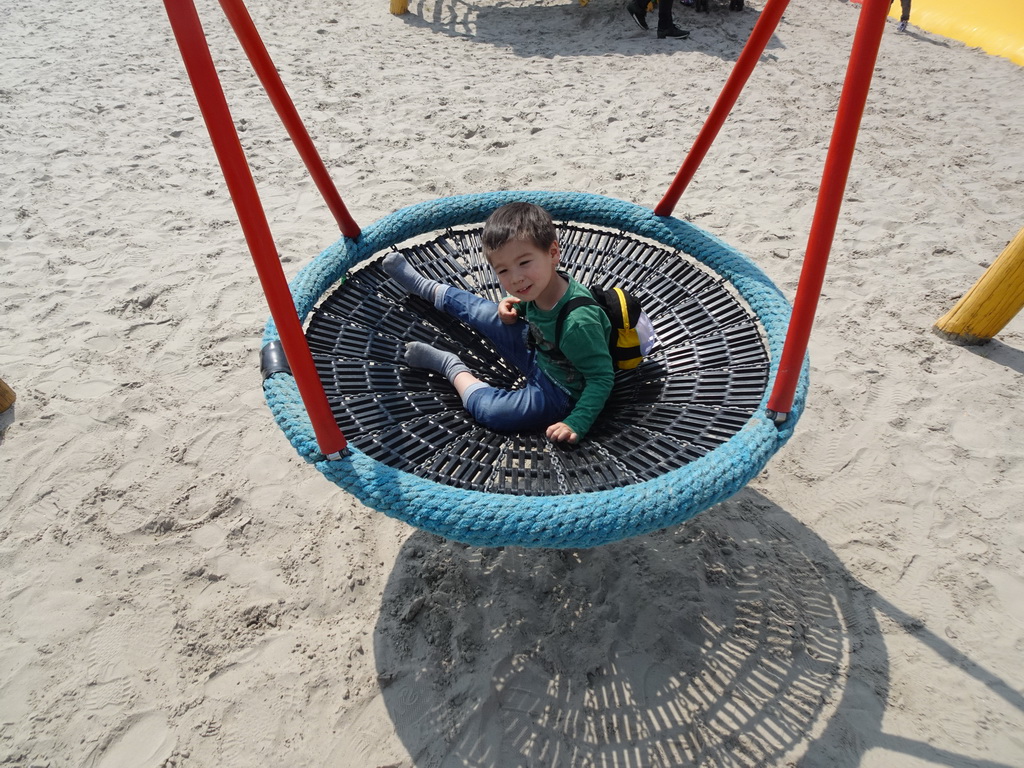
{"x":737,"y":639}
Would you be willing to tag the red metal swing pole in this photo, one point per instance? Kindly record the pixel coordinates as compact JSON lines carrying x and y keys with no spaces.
{"x":188,"y":32}
{"x":748,"y":58}
{"x":262,"y":64}
{"x":863,"y":54}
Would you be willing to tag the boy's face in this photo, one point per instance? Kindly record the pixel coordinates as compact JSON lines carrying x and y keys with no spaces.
{"x":527,"y":271}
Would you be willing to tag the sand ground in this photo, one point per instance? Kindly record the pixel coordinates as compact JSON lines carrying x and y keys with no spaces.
{"x":179,"y":589}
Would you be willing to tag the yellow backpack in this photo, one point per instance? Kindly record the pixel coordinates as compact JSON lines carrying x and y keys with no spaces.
{"x":631,"y":337}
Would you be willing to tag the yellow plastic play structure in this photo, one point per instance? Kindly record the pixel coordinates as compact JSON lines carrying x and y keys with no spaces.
{"x":7,"y":396}
{"x":995,"y":26}
{"x":993,"y":301}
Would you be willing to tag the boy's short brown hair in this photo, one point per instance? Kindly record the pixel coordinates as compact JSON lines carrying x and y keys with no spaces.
{"x":518,"y":221}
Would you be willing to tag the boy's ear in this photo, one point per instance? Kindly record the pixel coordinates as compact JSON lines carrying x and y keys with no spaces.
{"x":555,"y":251}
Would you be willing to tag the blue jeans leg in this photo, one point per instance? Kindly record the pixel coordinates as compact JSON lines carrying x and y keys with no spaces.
{"x":482,"y":315}
{"x":536,"y":405}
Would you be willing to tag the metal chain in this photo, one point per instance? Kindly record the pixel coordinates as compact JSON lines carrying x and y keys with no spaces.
{"x":563,"y":485}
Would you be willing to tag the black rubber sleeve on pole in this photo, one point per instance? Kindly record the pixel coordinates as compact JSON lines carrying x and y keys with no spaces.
{"x":272,"y":360}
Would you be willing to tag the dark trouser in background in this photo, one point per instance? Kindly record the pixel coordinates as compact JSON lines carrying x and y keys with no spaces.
{"x":665,"y":13}
{"x":905,"y":6}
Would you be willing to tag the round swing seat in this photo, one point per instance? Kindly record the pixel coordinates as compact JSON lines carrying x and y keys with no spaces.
{"x":684,"y":430}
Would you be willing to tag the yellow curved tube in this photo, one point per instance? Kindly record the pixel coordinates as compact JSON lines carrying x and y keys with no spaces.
{"x":995,"y":26}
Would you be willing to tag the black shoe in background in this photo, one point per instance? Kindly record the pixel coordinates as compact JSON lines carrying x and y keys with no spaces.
{"x":638,"y":14}
{"x":673,"y":31}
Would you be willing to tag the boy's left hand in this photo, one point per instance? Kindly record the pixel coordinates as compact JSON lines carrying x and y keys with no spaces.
{"x":561,"y":433}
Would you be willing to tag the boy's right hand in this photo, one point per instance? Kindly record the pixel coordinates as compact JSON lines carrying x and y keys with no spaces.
{"x":506,"y":310}
{"x":562,"y":433}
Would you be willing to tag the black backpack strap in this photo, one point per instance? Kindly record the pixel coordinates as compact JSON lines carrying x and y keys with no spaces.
{"x":569,"y":306}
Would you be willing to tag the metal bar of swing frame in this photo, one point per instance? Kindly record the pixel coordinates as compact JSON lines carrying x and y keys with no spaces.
{"x":864,"y":53}
{"x":188,"y":32}
{"x":866,"y":41}
{"x":764,"y":28}
{"x":247,"y":34}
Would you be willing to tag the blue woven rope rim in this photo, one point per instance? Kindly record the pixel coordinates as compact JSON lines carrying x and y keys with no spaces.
{"x":576,"y":521}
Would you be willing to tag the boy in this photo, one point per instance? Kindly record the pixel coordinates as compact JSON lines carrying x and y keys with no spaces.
{"x":566,"y":387}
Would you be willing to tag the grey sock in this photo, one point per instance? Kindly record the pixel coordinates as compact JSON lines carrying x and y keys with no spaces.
{"x":399,"y":269}
{"x":448,"y":364}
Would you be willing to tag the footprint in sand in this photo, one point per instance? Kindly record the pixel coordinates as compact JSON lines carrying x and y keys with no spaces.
{"x":142,"y":741}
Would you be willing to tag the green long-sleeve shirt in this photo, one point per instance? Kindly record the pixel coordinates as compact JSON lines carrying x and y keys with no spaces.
{"x":586,"y":372}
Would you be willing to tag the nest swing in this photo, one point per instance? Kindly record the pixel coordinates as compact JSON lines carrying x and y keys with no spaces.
{"x":691,"y":426}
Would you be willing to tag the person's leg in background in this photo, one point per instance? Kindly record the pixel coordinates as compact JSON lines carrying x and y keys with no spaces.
{"x":666,"y":26}
{"x":904,"y":14}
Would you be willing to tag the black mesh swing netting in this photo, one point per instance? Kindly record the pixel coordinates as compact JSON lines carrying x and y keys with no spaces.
{"x":697,"y":389}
